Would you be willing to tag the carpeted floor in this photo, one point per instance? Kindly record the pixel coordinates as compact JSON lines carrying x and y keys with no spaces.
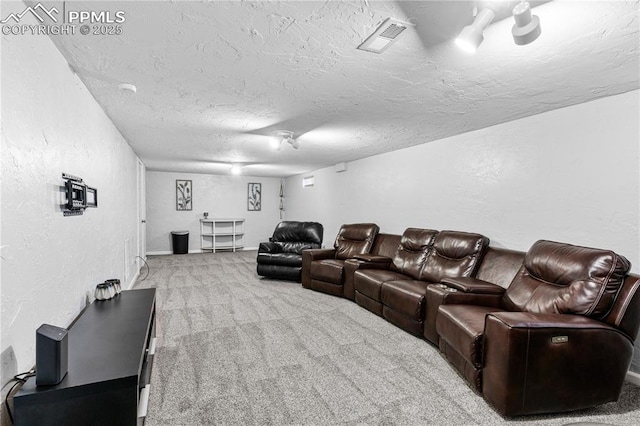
{"x":235,"y":349}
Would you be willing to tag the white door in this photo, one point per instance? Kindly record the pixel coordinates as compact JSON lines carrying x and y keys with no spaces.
{"x":142,"y":214}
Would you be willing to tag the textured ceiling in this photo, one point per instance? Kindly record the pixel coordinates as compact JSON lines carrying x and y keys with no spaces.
{"x":213,"y":78}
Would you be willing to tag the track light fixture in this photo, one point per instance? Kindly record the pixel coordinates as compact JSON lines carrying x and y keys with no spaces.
{"x":471,"y":36}
{"x":285,"y":136}
{"x":527,"y":26}
{"x":525,"y":30}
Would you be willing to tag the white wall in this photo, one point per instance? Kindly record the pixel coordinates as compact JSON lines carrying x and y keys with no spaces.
{"x":50,"y":263}
{"x":220,"y":195}
{"x":570,"y":175}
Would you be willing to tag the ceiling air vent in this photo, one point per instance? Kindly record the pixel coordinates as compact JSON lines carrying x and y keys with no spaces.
{"x":385,"y":35}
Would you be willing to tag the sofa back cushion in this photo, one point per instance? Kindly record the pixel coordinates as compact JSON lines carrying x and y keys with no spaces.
{"x":292,"y":231}
{"x":559,"y":278}
{"x":412,"y":251}
{"x":500,"y":265}
{"x":355,"y":239}
{"x":293,"y":237}
{"x":454,"y":254}
{"x":385,"y":244}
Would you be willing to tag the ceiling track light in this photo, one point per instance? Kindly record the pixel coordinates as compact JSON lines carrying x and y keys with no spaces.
{"x":471,"y":36}
{"x":287,"y":137}
{"x":527,"y":26}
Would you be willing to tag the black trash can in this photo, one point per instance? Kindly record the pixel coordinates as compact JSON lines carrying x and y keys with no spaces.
{"x":180,"y":240}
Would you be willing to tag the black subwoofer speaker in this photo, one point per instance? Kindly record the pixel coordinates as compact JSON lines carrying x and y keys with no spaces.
{"x":51,"y":355}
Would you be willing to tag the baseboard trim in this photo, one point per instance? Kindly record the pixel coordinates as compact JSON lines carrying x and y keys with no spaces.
{"x":633,"y":377}
{"x":133,"y":280}
{"x":164,"y":253}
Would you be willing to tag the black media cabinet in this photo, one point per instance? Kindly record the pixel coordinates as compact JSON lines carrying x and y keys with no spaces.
{"x":111,"y":346}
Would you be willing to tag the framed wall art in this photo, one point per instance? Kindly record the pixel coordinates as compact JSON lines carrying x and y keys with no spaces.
{"x":254,"y":197}
{"x":183,"y":195}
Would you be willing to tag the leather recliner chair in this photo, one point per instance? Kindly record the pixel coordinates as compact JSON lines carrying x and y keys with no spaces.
{"x":424,"y":257}
{"x":281,"y":257}
{"x":406,"y":264}
{"x":324,"y":269}
{"x":558,"y":339}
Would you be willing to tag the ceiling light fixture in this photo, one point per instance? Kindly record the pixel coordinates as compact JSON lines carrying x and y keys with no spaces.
{"x":285,"y":136}
{"x":276,"y":142}
{"x":471,"y":36}
{"x":527,"y":26}
{"x":236,"y":169}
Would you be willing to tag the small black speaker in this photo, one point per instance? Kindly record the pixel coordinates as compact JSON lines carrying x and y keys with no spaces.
{"x":51,"y":355}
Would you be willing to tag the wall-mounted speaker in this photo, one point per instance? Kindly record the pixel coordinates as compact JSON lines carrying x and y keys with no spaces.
{"x":51,"y":355}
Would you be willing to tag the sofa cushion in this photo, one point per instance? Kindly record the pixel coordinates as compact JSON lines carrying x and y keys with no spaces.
{"x":566,"y":279}
{"x":355,"y":239}
{"x":330,"y":270}
{"x":412,"y":251}
{"x":280,"y":259}
{"x":462,"y":327}
{"x":406,"y":297}
{"x":454,"y":254}
{"x":369,"y":281}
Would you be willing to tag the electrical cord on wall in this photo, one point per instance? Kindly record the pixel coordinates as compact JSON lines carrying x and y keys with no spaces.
{"x":148,"y":269}
{"x":20,"y":379}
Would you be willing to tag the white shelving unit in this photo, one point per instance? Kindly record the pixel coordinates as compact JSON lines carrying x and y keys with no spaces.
{"x":221,"y":234}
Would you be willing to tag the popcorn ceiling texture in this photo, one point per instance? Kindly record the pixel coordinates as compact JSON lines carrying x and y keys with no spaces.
{"x":210,"y":74}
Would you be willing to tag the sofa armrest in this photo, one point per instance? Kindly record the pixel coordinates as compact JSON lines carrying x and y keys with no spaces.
{"x":472,"y":285}
{"x":318,"y":254}
{"x":308,"y":256}
{"x":268,"y":248}
{"x":541,"y":363}
{"x":373,"y":258}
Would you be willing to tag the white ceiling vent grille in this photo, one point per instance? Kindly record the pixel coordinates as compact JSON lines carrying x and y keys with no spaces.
{"x":385,"y":35}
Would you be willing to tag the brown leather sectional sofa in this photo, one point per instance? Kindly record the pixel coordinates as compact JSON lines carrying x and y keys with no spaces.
{"x":550,"y":330}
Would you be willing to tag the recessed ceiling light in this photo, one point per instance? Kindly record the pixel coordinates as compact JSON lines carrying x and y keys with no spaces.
{"x":236,"y":169}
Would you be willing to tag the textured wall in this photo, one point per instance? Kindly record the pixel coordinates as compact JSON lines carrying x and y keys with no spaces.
{"x":223,"y":196}
{"x":51,"y":124}
{"x":569,"y":175}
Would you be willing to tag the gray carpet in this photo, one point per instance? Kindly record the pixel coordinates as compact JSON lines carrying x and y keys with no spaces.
{"x":235,"y":349}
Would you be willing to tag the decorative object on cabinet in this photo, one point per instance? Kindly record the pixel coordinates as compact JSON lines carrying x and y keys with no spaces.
{"x":254,"y":197}
{"x":221,"y":234}
{"x":79,"y":196}
{"x":183,"y":195}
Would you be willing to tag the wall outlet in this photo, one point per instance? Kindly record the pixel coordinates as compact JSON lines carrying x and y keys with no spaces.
{"x":9,"y":365}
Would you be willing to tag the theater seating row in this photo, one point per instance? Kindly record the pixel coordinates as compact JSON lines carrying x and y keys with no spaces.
{"x":549,"y":330}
